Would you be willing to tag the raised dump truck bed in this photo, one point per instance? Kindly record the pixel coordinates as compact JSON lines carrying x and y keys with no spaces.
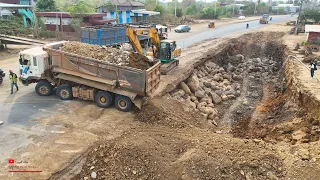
{"x":96,"y":80}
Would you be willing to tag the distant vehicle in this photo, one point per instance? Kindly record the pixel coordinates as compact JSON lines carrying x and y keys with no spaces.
{"x":162,"y":31}
{"x":211,"y":25}
{"x":182,"y":28}
{"x":264,"y":19}
{"x":241,"y":17}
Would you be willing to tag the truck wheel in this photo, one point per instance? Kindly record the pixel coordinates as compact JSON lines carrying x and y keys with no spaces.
{"x":64,"y":92}
{"x":123,"y":103}
{"x":103,"y":99}
{"x":44,"y":88}
{"x":1,"y":79}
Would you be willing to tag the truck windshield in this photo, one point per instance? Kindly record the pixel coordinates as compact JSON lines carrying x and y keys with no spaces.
{"x":24,"y":59}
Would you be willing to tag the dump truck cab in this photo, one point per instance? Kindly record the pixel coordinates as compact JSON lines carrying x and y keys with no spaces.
{"x":32,"y":64}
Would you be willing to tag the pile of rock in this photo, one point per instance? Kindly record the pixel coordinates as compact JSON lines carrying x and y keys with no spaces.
{"x":109,"y":54}
{"x":208,"y":86}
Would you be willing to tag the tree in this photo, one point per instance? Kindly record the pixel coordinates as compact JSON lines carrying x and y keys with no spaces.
{"x":187,"y":3}
{"x":159,"y":8}
{"x":311,"y":14}
{"x":191,"y":10}
{"x":150,"y":4}
{"x":80,"y":9}
{"x":46,"y":6}
{"x":249,"y":9}
{"x":179,"y":12}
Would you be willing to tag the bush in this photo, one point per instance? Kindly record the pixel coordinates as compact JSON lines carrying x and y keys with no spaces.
{"x":303,"y":43}
{"x":47,"y":34}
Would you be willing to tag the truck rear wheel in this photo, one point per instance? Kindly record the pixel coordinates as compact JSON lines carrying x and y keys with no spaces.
{"x":1,"y":79}
{"x":64,"y":92}
{"x":103,"y":99}
{"x":123,"y":103}
{"x":44,"y":88}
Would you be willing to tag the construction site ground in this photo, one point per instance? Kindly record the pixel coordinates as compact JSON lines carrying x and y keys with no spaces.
{"x":270,"y":131}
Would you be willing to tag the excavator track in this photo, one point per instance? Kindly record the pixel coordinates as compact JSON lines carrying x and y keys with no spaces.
{"x":168,"y":67}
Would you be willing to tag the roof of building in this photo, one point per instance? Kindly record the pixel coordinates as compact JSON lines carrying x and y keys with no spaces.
{"x":126,"y":3}
{"x":5,"y":5}
{"x":66,"y":14}
{"x":312,"y":28}
{"x":143,"y":11}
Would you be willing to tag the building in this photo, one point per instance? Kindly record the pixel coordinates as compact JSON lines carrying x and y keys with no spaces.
{"x":133,"y":16}
{"x":61,"y":21}
{"x":290,"y":8}
{"x":122,"y":5}
{"x":313,"y":33}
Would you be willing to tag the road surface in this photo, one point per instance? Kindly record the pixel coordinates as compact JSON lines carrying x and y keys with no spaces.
{"x":226,"y":31}
{"x":18,"y":110}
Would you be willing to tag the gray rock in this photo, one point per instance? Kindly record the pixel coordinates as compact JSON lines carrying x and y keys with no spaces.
{"x":207,"y":84}
{"x":227,"y":76}
{"x":218,"y":92}
{"x":199,"y":93}
{"x":230,"y":68}
{"x":193,"y":83}
{"x":185,"y":88}
{"x":179,"y":93}
{"x":216,"y":99}
{"x":240,"y":57}
{"x":231,"y":96}
{"x":193,"y":98}
{"x":237,"y":77}
{"x":210,"y":64}
{"x":224,"y":97}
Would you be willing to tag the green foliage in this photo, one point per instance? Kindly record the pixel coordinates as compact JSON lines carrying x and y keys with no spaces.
{"x":47,"y":34}
{"x":303,"y":43}
{"x":191,"y":10}
{"x":179,"y":12}
{"x":159,"y":8}
{"x":279,"y":11}
{"x":80,"y":9}
{"x":208,"y":13}
{"x":311,"y":14}
{"x":248,"y":9}
{"x":76,"y":24}
{"x":110,"y":7}
{"x":46,"y":6}
{"x":13,"y":26}
{"x":187,"y":3}
{"x":150,"y":4}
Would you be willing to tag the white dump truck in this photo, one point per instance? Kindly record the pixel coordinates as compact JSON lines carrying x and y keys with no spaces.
{"x":75,"y":76}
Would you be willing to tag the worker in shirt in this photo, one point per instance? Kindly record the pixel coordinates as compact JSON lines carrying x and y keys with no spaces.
{"x":13,"y":80}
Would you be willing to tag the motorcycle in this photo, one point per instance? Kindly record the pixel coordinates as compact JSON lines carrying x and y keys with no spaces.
{"x":2,"y":75}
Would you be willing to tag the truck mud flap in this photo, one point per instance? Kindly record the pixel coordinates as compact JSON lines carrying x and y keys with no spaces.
{"x":140,"y":102}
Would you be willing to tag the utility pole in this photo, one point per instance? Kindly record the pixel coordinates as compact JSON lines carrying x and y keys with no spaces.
{"x":298,"y":20}
{"x":233,"y":8}
{"x":215,"y":9}
{"x":35,"y":27}
{"x":175,"y":8}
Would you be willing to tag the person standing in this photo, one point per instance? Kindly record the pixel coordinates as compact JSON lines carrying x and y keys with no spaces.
{"x":313,"y":68}
{"x":13,"y":80}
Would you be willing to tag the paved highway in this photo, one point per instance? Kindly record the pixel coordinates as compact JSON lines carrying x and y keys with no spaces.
{"x":227,"y":31}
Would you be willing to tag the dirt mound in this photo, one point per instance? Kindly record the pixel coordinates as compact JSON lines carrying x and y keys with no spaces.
{"x":109,"y":54}
{"x":169,"y":113}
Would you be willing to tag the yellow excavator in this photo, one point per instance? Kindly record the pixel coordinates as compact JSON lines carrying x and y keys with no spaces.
{"x":166,"y":50}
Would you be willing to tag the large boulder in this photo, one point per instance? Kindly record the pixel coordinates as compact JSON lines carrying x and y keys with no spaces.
{"x":193,"y":83}
{"x":185,"y":88}
{"x":200,"y":93}
{"x":224,"y":97}
{"x":178,"y":93}
{"x":216,"y":99}
{"x":190,"y":103}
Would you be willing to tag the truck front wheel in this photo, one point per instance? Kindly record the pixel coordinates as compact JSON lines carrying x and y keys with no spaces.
{"x":123,"y":103}
{"x":44,"y":88}
{"x":103,"y":99}
{"x":64,"y":92}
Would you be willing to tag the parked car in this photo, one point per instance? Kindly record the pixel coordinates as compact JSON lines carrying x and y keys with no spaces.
{"x":182,"y":28}
{"x":241,"y":17}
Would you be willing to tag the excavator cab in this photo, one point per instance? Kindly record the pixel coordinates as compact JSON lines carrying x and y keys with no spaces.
{"x":167,"y":55}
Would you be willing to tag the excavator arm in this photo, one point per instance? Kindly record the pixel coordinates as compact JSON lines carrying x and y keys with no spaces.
{"x":150,"y":32}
